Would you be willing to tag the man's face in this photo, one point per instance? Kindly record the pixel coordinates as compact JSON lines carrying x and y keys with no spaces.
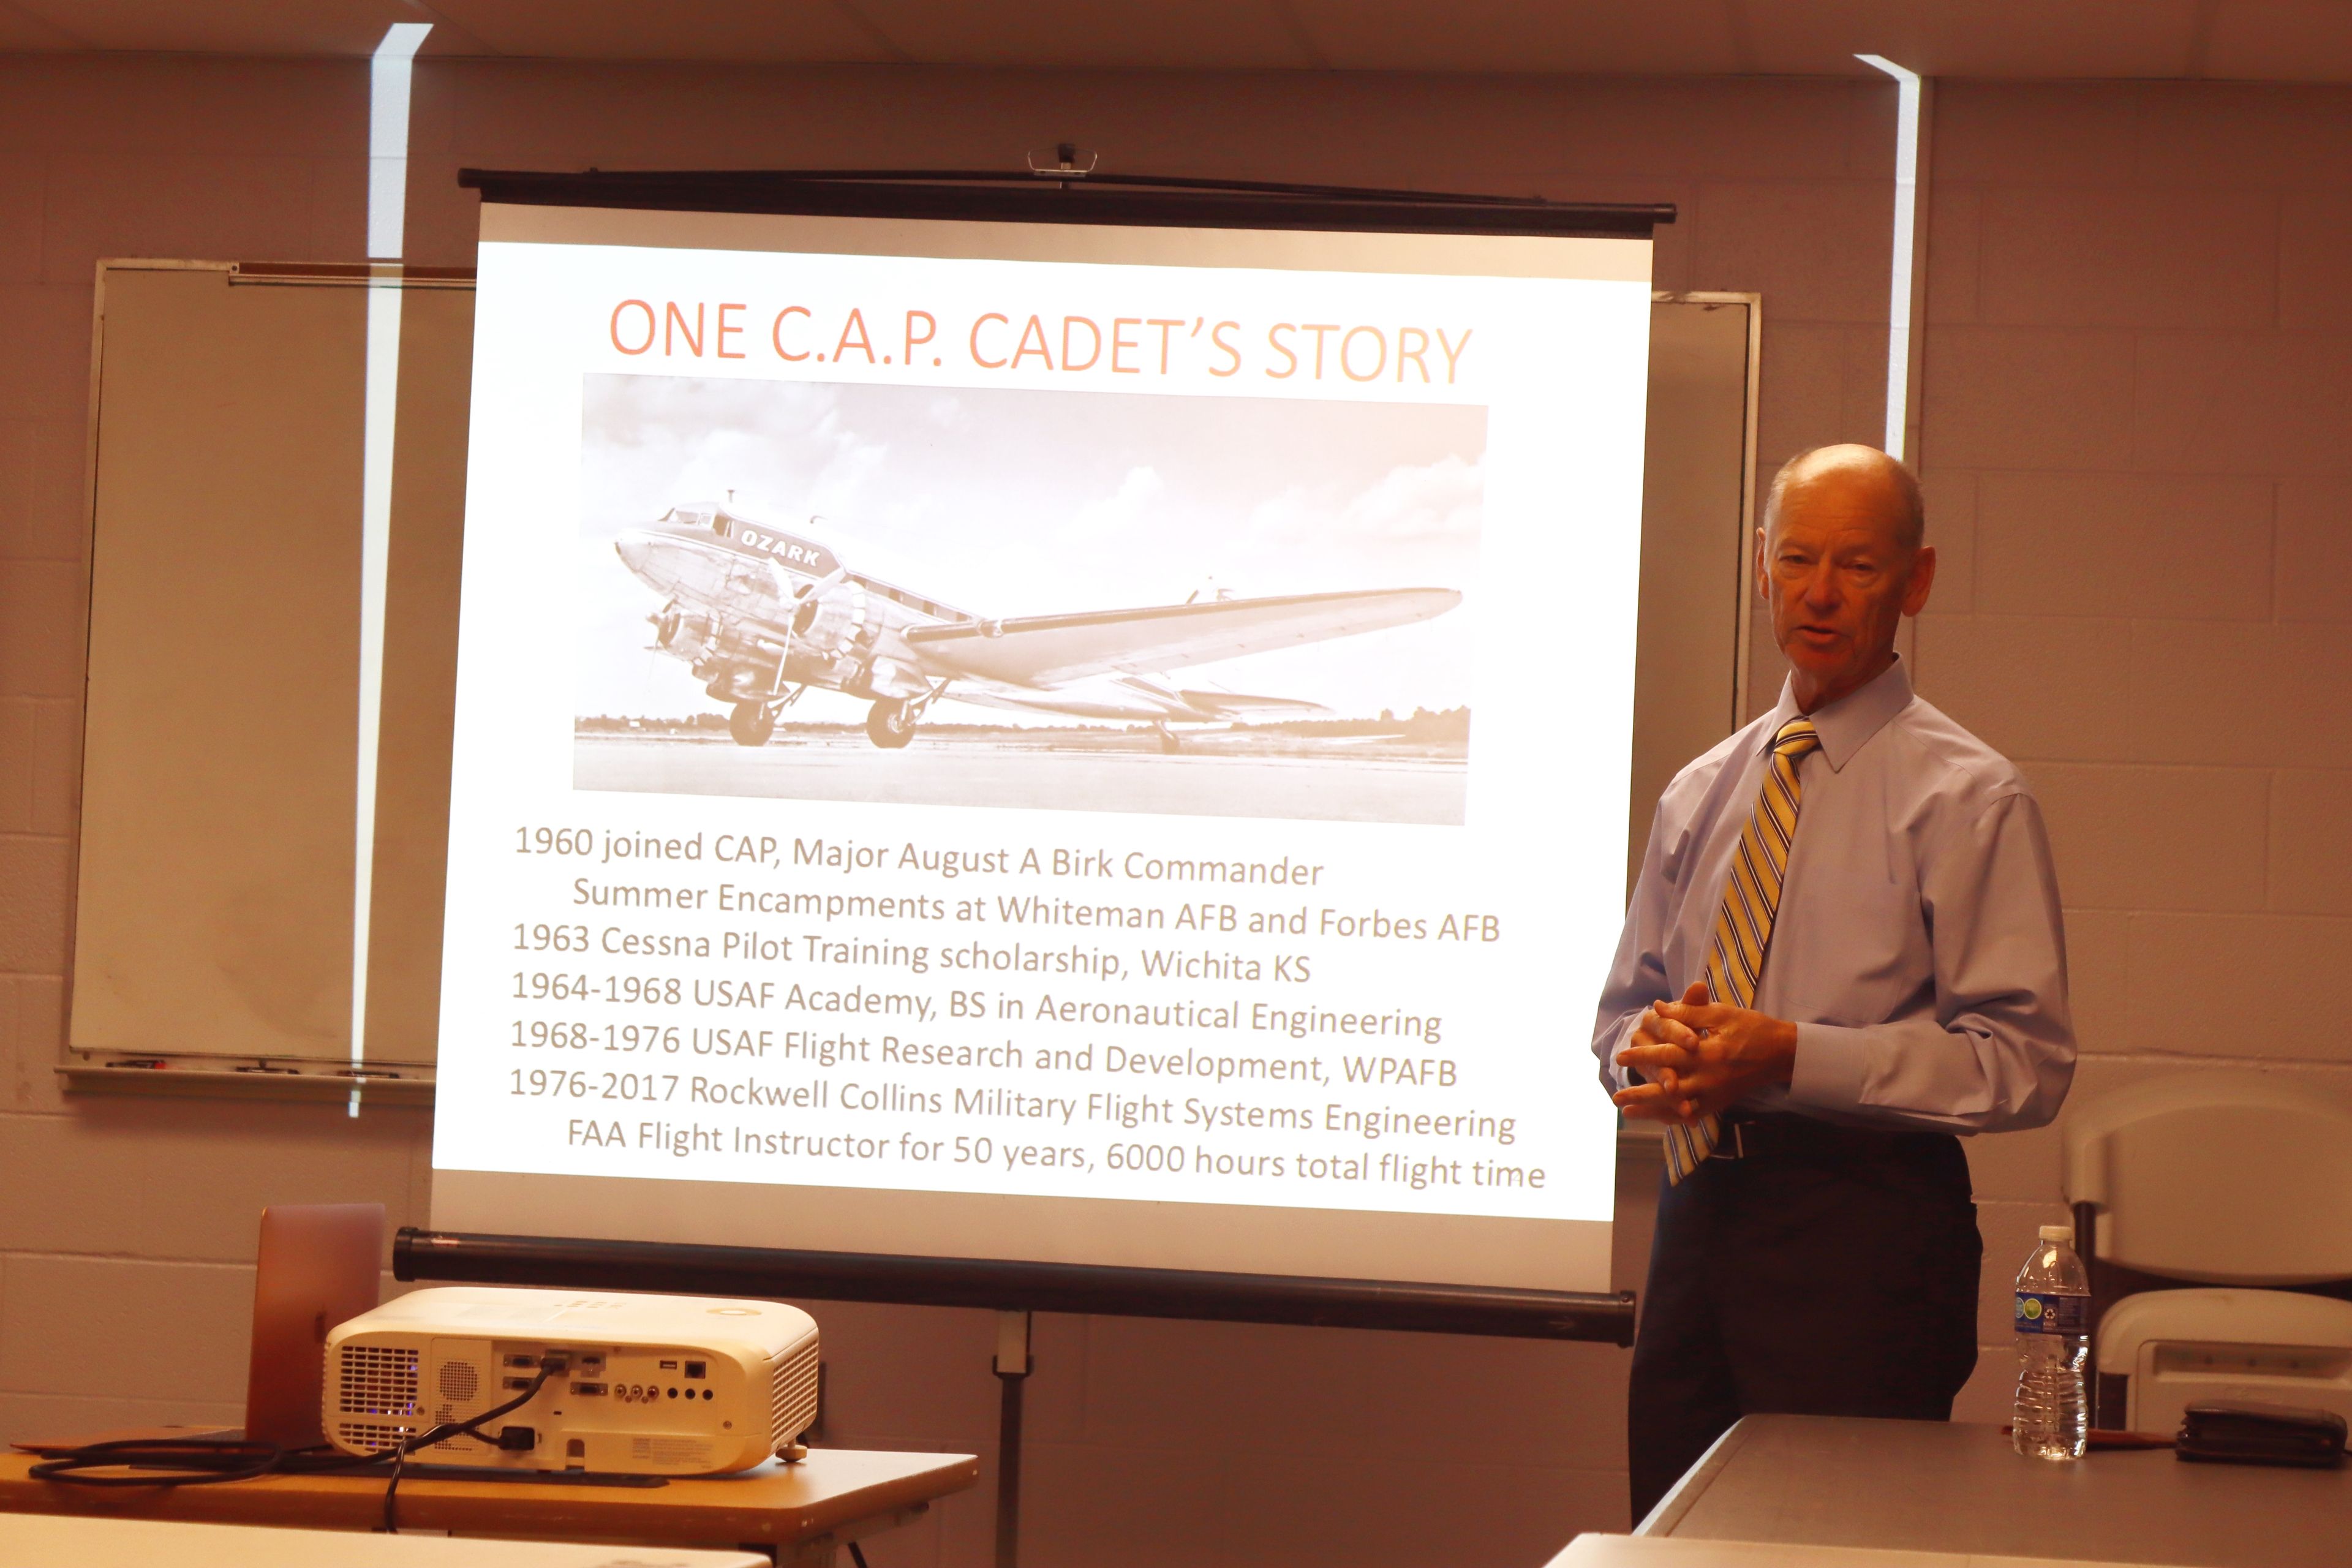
{"x":1836,"y":572}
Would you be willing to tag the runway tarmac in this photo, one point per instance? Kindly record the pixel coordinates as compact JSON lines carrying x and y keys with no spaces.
{"x":952,"y":771}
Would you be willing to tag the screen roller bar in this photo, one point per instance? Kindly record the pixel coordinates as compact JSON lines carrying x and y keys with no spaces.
{"x":1000,"y":1286}
{"x":1152,"y":200}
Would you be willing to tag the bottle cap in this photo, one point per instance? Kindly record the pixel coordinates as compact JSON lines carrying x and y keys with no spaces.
{"x":2065,"y":1233}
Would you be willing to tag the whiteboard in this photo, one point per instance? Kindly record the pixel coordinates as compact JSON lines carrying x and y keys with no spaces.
{"x":214,"y":886}
{"x":213,"y":927}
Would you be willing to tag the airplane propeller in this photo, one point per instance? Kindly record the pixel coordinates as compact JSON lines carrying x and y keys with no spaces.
{"x":810,"y":595}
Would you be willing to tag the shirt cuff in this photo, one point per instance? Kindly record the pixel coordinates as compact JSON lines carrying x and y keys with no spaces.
{"x":1828,"y":1072}
{"x":1618,"y":1077}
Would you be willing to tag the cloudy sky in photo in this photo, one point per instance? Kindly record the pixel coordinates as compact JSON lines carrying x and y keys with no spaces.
{"x":1026,"y":502}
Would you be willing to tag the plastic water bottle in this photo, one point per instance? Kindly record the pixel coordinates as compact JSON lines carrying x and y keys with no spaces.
{"x":2053,"y":1300}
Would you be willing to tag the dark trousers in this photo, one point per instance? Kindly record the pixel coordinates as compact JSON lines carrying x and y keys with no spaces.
{"x":1830,"y":1272}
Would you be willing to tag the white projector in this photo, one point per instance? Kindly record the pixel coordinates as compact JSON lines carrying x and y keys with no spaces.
{"x":669,"y":1385}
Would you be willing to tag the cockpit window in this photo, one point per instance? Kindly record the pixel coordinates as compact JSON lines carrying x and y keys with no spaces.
{"x":707,"y":517}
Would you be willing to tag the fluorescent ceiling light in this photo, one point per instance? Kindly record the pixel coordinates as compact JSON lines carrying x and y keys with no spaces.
{"x":388,"y":136}
{"x":388,"y":78}
{"x":1907,"y":214}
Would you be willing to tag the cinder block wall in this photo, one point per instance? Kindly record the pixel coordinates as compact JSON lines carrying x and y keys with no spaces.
{"x":2137,"y":360}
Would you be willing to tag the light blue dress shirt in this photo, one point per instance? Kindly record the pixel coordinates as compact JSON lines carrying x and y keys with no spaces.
{"x":1918,"y":946}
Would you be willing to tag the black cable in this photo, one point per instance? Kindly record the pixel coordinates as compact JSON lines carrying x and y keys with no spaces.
{"x":471,"y":1427}
{"x":196,"y":1461}
{"x":192,"y":1461}
{"x":392,"y":1491}
{"x":857,"y":1554}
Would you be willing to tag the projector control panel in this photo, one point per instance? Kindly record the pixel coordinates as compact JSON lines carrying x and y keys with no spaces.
{"x":668,"y":1404}
{"x":624,"y":1377}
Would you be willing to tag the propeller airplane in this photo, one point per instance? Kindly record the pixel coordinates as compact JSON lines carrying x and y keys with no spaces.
{"x":761,"y":614}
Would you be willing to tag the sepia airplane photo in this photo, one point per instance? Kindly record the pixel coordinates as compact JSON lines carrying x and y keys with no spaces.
{"x":763,"y":615}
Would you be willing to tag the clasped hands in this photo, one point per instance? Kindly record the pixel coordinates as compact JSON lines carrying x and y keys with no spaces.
{"x":1698,"y":1058}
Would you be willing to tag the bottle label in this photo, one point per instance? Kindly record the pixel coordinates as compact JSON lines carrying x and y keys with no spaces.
{"x":2039,"y":1312}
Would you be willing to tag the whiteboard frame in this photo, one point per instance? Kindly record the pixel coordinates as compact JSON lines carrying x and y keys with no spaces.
{"x":84,"y":1069}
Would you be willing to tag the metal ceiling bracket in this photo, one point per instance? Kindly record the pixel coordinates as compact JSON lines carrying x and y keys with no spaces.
{"x":1066,"y":165}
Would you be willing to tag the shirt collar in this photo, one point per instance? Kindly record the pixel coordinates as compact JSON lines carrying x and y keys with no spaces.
{"x":1847,"y":724}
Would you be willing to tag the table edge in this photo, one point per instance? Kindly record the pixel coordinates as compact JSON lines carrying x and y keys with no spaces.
{"x":455,"y":1504}
{"x":1684,"y":1495}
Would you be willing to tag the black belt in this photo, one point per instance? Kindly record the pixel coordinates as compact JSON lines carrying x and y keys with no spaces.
{"x":1777,"y":1135}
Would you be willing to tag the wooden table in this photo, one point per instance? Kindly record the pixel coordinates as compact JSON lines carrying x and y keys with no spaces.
{"x":1931,"y":1486}
{"x":803,"y":1511}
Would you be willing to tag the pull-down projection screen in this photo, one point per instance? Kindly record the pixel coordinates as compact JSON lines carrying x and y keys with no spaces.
{"x":1089,"y":744}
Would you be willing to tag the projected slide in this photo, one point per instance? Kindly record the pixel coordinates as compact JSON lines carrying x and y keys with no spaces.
{"x":1137,"y":517}
{"x":1092,"y":746}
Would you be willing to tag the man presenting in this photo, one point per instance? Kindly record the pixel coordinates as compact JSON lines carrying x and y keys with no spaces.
{"x":1844,"y":947}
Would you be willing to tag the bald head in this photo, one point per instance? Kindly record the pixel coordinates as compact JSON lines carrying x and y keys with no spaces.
{"x":1840,"y":561}
{"x":1863,"y":476}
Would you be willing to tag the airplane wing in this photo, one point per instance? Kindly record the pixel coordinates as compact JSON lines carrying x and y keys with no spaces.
{"x":1105,"y":706}
{"x":1234,"y":704}
{"x":1127,"y":699}
{"x":1049,"y":650}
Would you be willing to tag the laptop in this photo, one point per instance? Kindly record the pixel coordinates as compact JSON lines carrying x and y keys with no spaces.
{"x":320,"y":1265}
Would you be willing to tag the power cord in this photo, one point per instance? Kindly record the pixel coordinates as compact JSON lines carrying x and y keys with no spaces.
{"x":196,"y":1460}
{"x":188,"y":1462}
{"x":549,"y":1365}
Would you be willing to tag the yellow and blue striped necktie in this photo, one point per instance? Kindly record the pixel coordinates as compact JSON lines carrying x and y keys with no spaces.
{"x":1743,"y":925}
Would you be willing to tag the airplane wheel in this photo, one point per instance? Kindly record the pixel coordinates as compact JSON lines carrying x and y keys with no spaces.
{"x":1171,"y":743}
{"x":752,"y":723}
{"x":889,"y":727}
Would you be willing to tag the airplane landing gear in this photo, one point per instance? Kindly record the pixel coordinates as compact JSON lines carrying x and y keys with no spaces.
{"x":1170,"y":742}
{"x":752,"y":723}
{"x":888,"y":724}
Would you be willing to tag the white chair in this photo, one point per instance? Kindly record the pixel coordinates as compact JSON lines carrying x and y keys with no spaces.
{"x":2221,"y":1178}
{"x":2179,"y":1348}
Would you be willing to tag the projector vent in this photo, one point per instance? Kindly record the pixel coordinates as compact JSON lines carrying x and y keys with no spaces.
{"x":459,"y":1382}
{"x":792,"y":1395}
{"x":370,"y":1437}
{"x":464,"y":1373}
{"x":378,"y":1380}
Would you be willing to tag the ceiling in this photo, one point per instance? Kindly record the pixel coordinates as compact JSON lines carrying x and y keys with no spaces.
{"x":2267,"y":40}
